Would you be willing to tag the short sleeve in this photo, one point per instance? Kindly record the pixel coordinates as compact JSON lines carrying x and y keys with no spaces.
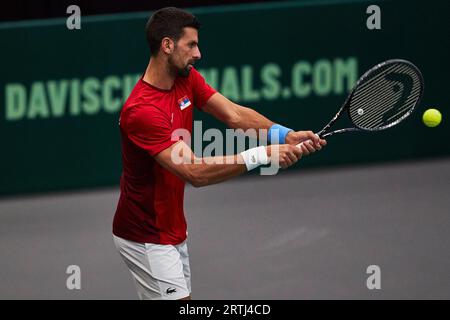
{"x":150,"y":131}
{"x":202,"y":90}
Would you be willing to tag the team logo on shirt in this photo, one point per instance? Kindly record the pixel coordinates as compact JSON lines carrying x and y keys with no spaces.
{"x":184,"y":102}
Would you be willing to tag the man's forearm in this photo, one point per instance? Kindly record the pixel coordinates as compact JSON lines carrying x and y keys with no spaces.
{"x":180,"y":160}
{"x":251,"y":122}
{"x":211,"y":170}
{"x":250,"y":119}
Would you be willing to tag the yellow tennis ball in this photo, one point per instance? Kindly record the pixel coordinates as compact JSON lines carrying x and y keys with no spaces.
{"x":432,"y":118}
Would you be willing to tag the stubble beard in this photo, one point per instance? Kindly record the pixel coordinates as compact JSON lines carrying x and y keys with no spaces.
{"x":182,"y":72}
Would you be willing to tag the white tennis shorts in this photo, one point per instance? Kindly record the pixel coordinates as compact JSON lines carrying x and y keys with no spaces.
{"x":160,"y":272}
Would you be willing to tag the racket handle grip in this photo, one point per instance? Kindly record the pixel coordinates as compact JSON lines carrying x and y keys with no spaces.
{"x":301,"y":143}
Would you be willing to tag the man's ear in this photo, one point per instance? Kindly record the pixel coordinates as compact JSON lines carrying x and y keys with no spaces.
{"x":167,"y":45}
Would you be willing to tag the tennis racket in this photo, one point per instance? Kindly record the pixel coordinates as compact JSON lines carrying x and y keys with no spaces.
{"x":383,"y":97}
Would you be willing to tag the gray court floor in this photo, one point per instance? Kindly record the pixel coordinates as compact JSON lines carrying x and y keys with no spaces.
{"x":273,"y":237}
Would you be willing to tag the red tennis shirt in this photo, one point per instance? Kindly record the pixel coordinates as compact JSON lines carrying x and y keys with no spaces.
{"x":150,"y":207}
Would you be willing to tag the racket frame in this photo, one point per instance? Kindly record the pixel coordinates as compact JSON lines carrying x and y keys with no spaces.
{"x":346,"y":106}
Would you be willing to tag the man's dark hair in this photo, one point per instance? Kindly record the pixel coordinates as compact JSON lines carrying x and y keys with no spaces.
{"x":168,"y":22}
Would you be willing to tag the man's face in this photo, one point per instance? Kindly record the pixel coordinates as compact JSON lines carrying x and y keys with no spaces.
{"x":186,"y":52}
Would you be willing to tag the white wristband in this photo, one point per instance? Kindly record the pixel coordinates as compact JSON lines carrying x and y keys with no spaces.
{"x":255,"y":157}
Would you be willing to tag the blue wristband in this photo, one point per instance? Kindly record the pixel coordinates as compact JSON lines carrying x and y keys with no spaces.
{"x":277,"y":134}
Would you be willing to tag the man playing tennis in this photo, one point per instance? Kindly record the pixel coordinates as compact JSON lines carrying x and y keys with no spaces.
{"x":149,"y":225}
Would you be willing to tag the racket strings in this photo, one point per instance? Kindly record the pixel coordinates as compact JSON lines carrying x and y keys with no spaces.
{"x":408,"y":104}
{"x":386,"y":96}
{"x":376,"y":112}
{"x":376,"y":120}
{"x":385,"y":91}
{"x":376,"y":76}
{"x":376,"y":84}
